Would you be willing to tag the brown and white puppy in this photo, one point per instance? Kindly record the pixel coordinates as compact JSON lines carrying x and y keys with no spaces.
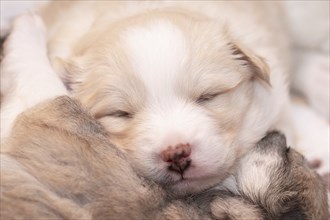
{"x":279,"y":180}
{"x":185,"y":88}
{"x":59,"y":163}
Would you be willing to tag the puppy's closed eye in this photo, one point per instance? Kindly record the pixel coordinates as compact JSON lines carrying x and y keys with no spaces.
{"x":207,"y":97}
{"x":117,"y":114}
{"x":121,"y":114}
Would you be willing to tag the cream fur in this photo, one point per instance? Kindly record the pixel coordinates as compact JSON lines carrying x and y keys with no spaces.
{"x":142,"y":67}
{"x":59,"y":139}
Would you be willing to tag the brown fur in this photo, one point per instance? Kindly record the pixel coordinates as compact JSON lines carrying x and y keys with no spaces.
{"x":91,"y":55}
{"x":290,"y":189}
{"x":59,"y":163}
{"x":68,"y":169}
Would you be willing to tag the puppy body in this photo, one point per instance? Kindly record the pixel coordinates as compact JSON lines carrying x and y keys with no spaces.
{"x":59,"y":163}
{"x":23,"y":196}
{"x":73,"y":171}
{"x":161,"y":74}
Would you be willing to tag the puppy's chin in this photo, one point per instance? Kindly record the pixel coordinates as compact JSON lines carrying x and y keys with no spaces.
{"x":208,"y":167}
{"x":189,"y":186}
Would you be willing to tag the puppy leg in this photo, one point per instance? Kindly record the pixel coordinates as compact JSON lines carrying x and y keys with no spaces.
{"x":27,"y":77}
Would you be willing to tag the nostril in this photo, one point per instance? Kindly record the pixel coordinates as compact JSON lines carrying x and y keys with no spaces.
{"x":166,"y":155}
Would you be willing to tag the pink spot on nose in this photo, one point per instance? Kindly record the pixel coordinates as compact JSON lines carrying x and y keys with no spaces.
{"x":178,"y":157}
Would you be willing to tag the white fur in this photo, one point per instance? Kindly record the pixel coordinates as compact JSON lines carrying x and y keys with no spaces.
{"x":254,"y":177}
{"x":159,"y":63}
{"x":27,"y":77}
{"x":157,"y":54}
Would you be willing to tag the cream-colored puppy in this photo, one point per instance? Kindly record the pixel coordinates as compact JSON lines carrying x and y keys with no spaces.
{"x":185,"y":88}
{"x":59,"y":163}
{"x":50,"y":161}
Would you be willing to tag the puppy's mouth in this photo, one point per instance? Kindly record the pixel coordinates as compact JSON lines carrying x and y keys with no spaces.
{"x":179,"y":168}
{"x":193,"y":178}
{"x":185,"y":184}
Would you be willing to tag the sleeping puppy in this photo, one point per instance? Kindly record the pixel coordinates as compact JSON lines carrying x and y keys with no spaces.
{"x":185,"y":88}
{"x":59,"y":163}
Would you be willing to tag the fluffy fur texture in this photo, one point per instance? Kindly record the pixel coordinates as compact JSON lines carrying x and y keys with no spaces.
{"x":74,"y":172}
{"x":283,"y":180}
{"x":25,"y":61}
{"x":158,"y":74}
{"x":59,"y":163}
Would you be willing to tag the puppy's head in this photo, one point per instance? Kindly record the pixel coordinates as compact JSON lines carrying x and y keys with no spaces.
{"x":177,"y":92}
{"x":279,"y":179}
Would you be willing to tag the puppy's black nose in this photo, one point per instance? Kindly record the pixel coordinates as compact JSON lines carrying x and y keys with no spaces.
{"x":178,"y":157}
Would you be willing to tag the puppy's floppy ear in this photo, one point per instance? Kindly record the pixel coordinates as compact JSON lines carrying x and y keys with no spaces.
{"x":252,"y":62}
{"x":69,"y":71}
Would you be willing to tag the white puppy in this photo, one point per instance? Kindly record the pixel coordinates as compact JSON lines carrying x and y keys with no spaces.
{"x":185,"y":88}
